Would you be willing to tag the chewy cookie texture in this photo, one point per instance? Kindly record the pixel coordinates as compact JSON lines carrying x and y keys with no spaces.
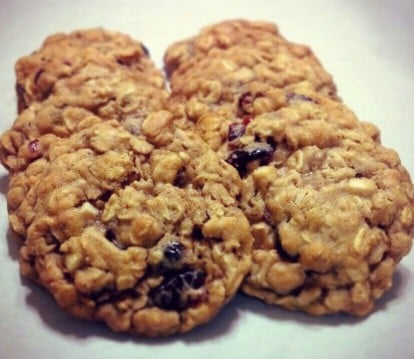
{"x":331,"y":209}
{"x":148,"y":209}
{"x":125,"y":218}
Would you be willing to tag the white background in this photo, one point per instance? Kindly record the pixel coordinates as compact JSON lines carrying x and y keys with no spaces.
{"x":368,"y":45}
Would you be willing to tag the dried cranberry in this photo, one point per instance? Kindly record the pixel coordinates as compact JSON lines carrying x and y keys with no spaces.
{"x":174,"y":291}
{"x":33,"y":146}
{"x":246,"y":103}
{"x":247,"y":120}
{"x":236,"y":130}
{"x":174,"y":251}
{"x":255,"y":151}
{"x":34,"y":149}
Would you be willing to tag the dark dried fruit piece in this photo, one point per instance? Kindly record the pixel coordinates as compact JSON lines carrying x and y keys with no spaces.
{"x":177,"y":291}
{"x":174,"y":251}
{"x":34,"y":149}
{"x":247,"y":119}
{"x":253,"y":152}
{"x":239,"y":159}
{"x":110,"y":235}
{"x":236,"y":130}
{"x":197,"y":233}
{"x":180,"y":179}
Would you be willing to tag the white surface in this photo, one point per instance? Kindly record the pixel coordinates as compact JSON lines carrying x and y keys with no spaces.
{"x":368,"y":46}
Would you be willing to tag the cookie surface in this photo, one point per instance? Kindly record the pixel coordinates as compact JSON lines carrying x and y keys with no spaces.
{"x":92,"y":95}
{"x":63,"y":55}
{"x":331,"y":209}
{"x":212,"y":70}
{"x":139,"y":231}
{"x":223,"y":35}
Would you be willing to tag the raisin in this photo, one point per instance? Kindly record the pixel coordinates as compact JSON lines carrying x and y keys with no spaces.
{"x":173,"y":293}
{"x":236,"y":130}
{"x":194,"y":278}
{"x":197,"y":233}
{"x":180,"y":179}
{"x":110,"y":235}
{"x":239,"y":159}
{"x":254,"y":151}
{"x":174,"y":251}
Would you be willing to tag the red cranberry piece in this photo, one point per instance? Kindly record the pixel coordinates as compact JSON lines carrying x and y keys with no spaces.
{"x":236,"y":130}
{"x":33,"y":146}
{"x":247,"y":120}
{"x":34,"y":149}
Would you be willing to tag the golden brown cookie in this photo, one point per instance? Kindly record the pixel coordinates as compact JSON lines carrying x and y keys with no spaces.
{"x":93,"y":94}
{"x":212,"y":70}
{"x":63,"y":55}
{"x":331,"y":210}
{"x":141,"y":232}
{"x":222,"y":35}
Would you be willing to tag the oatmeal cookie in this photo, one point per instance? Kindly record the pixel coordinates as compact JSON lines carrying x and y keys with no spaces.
{"x":331,"y":209}
{"x":223,"y":35}
{"x":215,"y":77}
{"x":63,"y":55}
{"x":141,"y":232}
{"x":92,"y":95}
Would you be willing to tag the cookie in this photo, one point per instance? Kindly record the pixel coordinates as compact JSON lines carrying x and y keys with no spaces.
{"x":330,"y":208}
{"x":215,"y":78}
{"x":141,"y":232}
{"x":91,"y":95}
{"x":63,"y":55}
{"x":223,"y":35}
